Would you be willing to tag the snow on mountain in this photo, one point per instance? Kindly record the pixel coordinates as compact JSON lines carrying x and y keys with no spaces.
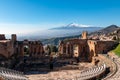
{"x":74,"y":26}
{"x":68,"y":30}
{"x":78,"y":25}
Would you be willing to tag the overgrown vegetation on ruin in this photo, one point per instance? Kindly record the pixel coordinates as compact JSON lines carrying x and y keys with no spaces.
{"x":117,"y":50}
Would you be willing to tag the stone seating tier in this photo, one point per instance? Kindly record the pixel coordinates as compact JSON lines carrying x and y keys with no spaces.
{"x":8,"y":74}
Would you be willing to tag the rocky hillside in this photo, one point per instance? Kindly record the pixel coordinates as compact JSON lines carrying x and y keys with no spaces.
{"x":55,"y":41}
{"x":108,"y":33}
{"x":115,"y":33}
{"x":106,"y":30}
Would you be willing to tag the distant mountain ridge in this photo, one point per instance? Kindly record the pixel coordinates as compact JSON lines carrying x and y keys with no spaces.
{"x":63,"y":31}
{"x":111,"y":32}
{"x":106,"y":30}
{"x":75,"y":26}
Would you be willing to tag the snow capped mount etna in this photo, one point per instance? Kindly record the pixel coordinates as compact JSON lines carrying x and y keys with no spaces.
{"x":76,"y":26}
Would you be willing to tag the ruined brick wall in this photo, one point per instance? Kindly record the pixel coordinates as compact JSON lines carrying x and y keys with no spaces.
{"x":84,"y":35}
{"x":103,"y":47}
{"x":91,"y":49}
{"x":10,"y":47}
{"x":35,"y":48}
{"x":74,"y":48}
{"x":13,"y":37}
{"x":6,"y":49}
{"x":2,"y":37}
{"x":86,"y":49}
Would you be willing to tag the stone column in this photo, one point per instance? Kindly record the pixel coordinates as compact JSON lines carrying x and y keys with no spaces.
{"x":31,"y":50}
{"x":72,"y":50}
{"x":66,"y":48}
{"x":22,"y":51}
{"x":41,"y":50}
{"x":78,"y":50}
{"x":37,"y":49}
{"x":62,"y":49}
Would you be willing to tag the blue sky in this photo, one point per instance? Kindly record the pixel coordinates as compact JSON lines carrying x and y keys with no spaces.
{"x":20,"y":16}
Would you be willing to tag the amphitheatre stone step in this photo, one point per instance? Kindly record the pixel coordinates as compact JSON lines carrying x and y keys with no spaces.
{"x":8,"y":74}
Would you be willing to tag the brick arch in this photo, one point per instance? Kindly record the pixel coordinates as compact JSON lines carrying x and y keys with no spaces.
{"x":76,"y":50}
{"x":3,"y":50}
{"x":26,"y":49}
{"x":35,"y":48}
{"x":22,"y":46}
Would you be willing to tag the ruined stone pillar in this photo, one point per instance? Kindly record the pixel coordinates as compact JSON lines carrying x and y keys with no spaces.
{"x":61,"y":49}
{"x":22,"y":51}
{"x":13,"y":37}
{"x":84,"y":35}
{"x":66,"y":49}
{"x":79,"y":48}
{"x":31,"y":48}
{"x":33,"y":51}
{"x":71,"y":51}
{"x":37,"y":49}
{"x":40,"y":50}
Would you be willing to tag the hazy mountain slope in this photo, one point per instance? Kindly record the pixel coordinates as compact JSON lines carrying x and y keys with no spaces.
{"x":55,"y":41}
{"x":109,"y":29}
{"x":68,"y":30}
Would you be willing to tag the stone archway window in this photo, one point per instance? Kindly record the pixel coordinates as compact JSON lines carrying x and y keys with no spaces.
{"x":75,"y":50}
{"x":26,"y":50}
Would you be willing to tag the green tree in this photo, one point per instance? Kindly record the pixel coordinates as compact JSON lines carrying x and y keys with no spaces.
{"x":53,"y":48}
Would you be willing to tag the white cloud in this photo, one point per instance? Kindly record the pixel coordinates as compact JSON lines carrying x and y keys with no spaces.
{"x":82,"y":25}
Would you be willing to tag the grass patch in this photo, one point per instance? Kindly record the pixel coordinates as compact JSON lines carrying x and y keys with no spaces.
{"x":117,"y":50}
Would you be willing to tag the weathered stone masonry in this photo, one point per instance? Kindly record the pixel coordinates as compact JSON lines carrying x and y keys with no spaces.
{"x":84,"y":48}
{"x":12,"y":46}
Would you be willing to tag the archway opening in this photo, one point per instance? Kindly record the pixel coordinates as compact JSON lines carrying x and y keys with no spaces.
{"x":26,"y":50}
{"x":75,"y":50}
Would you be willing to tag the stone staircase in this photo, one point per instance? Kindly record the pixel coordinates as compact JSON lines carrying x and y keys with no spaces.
{"x":116,"y":76}
{"x":8,"y":74}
